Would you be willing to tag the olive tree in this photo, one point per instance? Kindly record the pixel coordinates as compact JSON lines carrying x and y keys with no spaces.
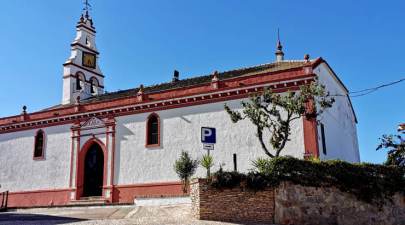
{"x":185,"y":167}
{"x":275,"y":112}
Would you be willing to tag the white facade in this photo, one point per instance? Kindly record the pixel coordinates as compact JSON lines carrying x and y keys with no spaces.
{"x":135,"y":163}
{"x":20,"y":172}
{"x":180,"y":130}
{"x":339,"y":121}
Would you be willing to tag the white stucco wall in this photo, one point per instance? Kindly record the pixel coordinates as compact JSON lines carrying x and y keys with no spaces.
{"x":20,"y":172}
{"x":180,"y":130}
{"x":339,"y":122}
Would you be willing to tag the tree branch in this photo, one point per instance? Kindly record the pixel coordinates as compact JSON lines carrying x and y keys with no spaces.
{"x":260,"y":136}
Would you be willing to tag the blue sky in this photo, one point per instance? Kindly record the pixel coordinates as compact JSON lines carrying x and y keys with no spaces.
{"x":144,"y":41}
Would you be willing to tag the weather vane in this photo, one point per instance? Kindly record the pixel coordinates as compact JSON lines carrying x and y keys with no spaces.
{"x":87,"y":5}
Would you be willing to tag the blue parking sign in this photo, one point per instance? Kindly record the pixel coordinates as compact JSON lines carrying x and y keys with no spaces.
{"x":208,"y":135}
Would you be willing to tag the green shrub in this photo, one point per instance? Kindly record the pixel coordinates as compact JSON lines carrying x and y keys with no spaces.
{"x":224,"y":179}
{"x":262,"y":165}
{"x":369,"y":182}
{"x":256,"y":181}
{"x":207,"y":162}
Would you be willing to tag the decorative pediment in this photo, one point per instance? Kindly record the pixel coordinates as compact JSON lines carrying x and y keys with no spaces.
{"x":93,"y":122}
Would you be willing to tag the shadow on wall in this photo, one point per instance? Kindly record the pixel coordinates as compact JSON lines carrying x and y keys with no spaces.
{"x":201,"y":109}
{"x":22,"y":218}
{"x":121,"y":133}
{"x":54,"y":130}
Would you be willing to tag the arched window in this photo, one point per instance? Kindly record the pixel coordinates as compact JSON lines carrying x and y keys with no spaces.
{"x":39,"y":145}
{"x":153,"y":130}
{"x":93,"y":85}
{"x":79,"y":81}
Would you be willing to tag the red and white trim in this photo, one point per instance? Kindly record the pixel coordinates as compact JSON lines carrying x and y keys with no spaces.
{"x":230,"y":89}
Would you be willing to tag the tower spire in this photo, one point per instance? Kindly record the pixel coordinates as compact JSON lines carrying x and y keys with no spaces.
{"x":82,"y":76}
{"x":85,"y":18}
{"x":279,"y":52}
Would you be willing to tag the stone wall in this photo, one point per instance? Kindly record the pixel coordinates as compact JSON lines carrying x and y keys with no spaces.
{"x":296,"y":204}
{"x":292,"y":204}
{"x":232,"y":205}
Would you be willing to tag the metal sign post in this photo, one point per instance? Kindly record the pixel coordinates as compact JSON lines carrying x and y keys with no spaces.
{"x":208,"y":138}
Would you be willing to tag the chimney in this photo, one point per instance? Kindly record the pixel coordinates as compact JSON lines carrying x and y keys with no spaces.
{"x":176,"y":76}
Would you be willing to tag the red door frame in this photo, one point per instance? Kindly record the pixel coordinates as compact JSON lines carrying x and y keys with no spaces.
{"x":80,"y":166}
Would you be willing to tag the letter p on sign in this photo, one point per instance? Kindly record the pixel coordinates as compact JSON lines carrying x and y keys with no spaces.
{"x":208,"y":135}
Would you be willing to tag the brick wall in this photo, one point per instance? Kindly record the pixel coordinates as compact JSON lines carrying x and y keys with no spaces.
{"x":292,"y":204}
{"x":231,"y":204}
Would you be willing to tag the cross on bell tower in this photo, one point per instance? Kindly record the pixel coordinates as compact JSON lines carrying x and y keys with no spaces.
{"x":82,"y":76}
{"x":87,"y":5}
{"x":86,"y":8}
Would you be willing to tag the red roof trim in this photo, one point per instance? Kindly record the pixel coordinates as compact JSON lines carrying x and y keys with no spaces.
{"x":67,"y":114}
{"x":152,"y":106}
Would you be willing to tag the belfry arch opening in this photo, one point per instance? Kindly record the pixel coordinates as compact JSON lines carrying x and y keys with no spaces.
{"x":94,"y":84}
{"x":80,"y":80}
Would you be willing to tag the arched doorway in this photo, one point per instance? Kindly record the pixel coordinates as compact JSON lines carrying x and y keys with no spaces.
{"x":93,"y":171}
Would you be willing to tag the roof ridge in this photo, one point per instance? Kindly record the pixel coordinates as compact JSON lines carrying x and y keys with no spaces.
{"x":193,"y":77}
{"x":191,"y":81}
{"x":201,"y":79}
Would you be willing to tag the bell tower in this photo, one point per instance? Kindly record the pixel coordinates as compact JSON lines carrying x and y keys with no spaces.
{"x":82,"y":76}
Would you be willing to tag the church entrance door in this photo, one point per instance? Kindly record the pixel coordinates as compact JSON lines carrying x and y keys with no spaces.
{"x":93,"y":171}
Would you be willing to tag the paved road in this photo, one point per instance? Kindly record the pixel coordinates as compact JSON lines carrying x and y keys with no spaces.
{"x":117,"y":215}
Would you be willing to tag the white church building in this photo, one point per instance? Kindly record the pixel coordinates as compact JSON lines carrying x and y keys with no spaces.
{"x":122,"y":145}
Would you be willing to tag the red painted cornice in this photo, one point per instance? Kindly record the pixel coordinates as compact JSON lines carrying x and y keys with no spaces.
{"x":233,"y":88}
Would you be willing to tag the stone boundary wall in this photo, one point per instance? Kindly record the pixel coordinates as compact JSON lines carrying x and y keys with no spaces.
{"x":296,"y":204}
{"x":231,"y":205}
{"x":291,"y":204}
